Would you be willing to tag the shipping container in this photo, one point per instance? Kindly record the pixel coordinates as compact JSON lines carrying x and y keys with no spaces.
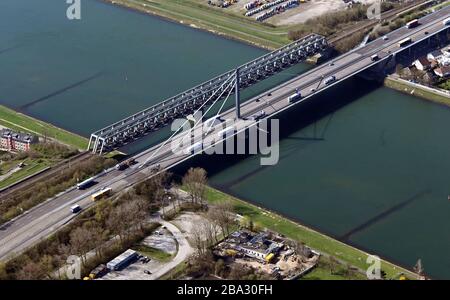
{"x":122,"y":260}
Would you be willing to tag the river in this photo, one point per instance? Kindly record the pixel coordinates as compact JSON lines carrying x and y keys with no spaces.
{"x":364,"y":163}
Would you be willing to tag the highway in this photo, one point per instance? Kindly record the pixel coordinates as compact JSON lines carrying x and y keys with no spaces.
{"x":46,"y":218}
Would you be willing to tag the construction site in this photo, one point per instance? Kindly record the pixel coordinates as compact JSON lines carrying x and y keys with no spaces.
{"x":267,"y":253}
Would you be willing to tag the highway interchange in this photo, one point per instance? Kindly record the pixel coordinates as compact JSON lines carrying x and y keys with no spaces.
{"x":46,"y":218}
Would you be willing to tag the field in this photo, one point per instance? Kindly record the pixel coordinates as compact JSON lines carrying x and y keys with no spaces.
{"x":20,"y":122}
{"x":31,"y":167}
{"x":345,"y":254}
{"x":223,"y":22}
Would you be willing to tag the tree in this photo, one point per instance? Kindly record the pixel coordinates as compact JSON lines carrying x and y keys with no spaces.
{"x":223,"y":215}
{"x":219,"y":267}
{"x":3,"y":273}
{"x":153,"y":189}
{"x":195,"y":182}
{"x":80,"y":242}
{"x":46,"y":263}
{"x":333,"y":263}
{"x":204,"y":234}
{"x":31,"y":271}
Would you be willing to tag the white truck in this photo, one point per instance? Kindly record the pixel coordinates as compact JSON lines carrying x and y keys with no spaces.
{"x":295,"y":97}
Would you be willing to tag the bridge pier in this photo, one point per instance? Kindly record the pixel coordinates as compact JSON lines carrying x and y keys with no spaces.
{"x":237,"y":95}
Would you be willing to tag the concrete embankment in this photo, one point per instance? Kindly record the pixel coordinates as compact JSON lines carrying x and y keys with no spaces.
{"x":424,"y":92}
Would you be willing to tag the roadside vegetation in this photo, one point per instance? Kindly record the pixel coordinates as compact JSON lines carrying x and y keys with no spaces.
{"x":120,"y":222}
{"x":96,"y":235}
{"x":14,"y":205}
{"x":334,"y":22}
{"x":387,"y":27}
{"x":344,"y":254}
{"x":445,"y":85}
{"x":20,"y":122}
{"x":17,"y":166}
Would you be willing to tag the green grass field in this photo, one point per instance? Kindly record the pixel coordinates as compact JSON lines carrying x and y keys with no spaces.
{"x":31,"y":168}
{"x":221,"y":21}
{"x":322,"y":243}
{"x":20,"y":122}
{"x":153,"y":253}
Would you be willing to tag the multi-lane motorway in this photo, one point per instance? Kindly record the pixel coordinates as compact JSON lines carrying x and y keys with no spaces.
{"x":46,"y":218}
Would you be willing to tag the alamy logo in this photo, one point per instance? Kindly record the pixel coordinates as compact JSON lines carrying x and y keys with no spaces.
{"x":73,"y":267}
{"x":216,"y":136}
{"x":74,"y":10}
{"x":374,"y":11}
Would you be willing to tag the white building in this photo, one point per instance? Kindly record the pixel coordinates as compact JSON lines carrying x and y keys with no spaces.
{"x":422,"y":63}
{"x":435,"y":55}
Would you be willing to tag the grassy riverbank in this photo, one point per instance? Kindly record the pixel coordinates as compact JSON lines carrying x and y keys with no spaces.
{"x":20,"y":122}
{"x":216,"y":20}
{"x":425,"y":93}
{"x":326,"y":245}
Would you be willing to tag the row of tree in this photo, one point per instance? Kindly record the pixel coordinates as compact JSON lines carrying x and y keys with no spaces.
{"x":100,"y":233}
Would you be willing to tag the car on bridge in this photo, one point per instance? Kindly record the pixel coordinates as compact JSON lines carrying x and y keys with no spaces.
{"x":330,"y":79}
{"x":258,"y":115}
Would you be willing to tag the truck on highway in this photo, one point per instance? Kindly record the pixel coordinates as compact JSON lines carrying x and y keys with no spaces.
{"x":105,"y":192}
{"x":85,"y":184}
{"x":404,"y":42}
{"x":295,"y":97}
{"x":125,"y":164}
{"x":446,"y":22}
{"x":412,"y":24}
{"x":374,"y":57}
{"x":330,"y":79}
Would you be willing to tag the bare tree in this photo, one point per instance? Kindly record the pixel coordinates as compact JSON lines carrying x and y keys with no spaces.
{"x":198,"y":240}
{"x":223,"y":215}
{"x":195,"y":182}
{"x":31,"y":271}
{"x":80,"y":242}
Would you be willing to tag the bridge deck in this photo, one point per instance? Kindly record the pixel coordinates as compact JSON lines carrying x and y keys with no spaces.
{"x":311,"y":82}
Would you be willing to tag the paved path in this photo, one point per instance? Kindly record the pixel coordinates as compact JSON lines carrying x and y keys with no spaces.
{"x":184,"y":250}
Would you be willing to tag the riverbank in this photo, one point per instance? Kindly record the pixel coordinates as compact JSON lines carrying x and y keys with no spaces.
{"x":417,"y":90}
{"x":326,"y":245}
{"x":20,"y":122}
{"x":214,"y":20}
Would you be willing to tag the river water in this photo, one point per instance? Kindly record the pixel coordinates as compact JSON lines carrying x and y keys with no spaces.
{"x":363,"y":163}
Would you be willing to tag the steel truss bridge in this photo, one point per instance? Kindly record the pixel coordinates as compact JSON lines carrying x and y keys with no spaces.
{"x":185,"y":103}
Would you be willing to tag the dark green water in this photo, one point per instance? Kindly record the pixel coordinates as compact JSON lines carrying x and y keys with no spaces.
{"x":364,"y":163}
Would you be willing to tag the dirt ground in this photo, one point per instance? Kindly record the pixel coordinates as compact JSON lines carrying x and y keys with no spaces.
{"x":300,"y":14}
